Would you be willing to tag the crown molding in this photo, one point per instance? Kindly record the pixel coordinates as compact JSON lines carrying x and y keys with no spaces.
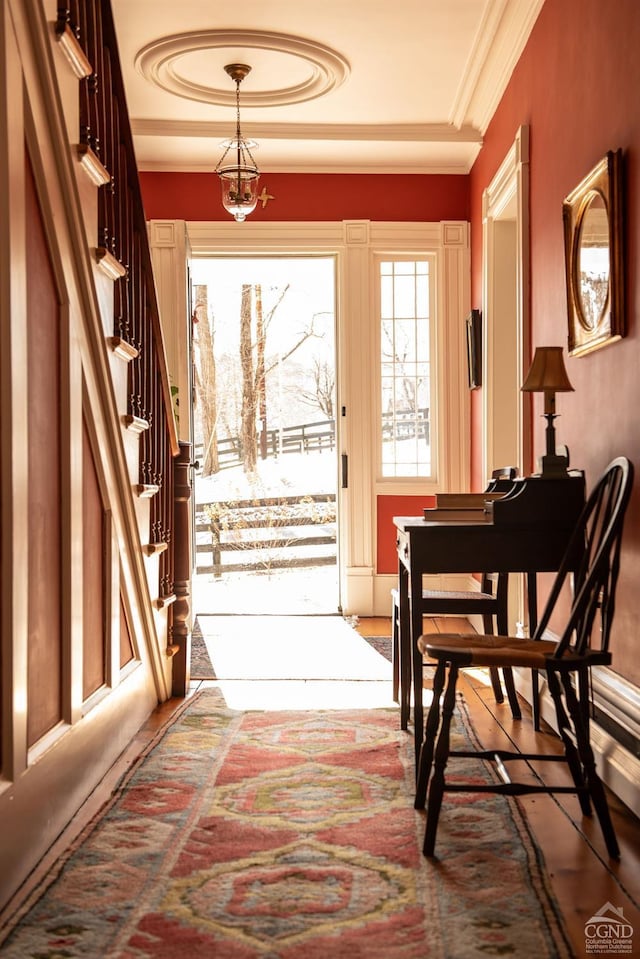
{"x":406,"y":132}
{"x":313,"y":167}
{"x":502,"y":36}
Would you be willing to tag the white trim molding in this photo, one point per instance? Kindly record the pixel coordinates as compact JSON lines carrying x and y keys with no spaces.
{"x":506,"y":201}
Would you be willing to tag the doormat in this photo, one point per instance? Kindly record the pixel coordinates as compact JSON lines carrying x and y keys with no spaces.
{"x":201,"y":665}
{"x":381,"y":644}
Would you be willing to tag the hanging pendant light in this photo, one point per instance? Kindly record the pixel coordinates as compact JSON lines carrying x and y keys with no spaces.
{"x":239,"y":179}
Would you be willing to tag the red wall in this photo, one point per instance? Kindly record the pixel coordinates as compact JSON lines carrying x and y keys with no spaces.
{"x":313,"y":197}
{"x":576,"y":86}
{"x":386,"y":508}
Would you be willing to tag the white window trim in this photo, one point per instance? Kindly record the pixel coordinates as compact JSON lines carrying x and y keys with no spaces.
{"x":357,"y":245}
{"x":448,"y":244}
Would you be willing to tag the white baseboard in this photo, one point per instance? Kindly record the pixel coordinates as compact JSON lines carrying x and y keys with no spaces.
{"x":358,"y":592}
{"x":614,"y":735}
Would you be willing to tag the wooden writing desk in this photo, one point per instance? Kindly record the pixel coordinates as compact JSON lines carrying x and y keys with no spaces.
{"x":525,"y":531}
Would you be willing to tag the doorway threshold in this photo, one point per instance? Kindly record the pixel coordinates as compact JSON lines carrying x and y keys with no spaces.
{"x":288,"y":592}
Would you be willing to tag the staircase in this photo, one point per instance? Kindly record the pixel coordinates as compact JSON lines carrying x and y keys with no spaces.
{"x":85,"y":34}
{"x":95,"y":583}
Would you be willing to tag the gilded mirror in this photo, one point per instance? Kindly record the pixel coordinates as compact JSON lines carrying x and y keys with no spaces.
{"x":593,"y":258}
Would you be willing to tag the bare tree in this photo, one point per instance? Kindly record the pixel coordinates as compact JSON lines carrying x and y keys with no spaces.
{"x":261,"y":379}
{"x":254,"y":375}
{"x":254,"y":371}
{"x":248,"y":428}
{"x":321,"y":397}
{"x":398,"y":352}
{"x":205,"y":379}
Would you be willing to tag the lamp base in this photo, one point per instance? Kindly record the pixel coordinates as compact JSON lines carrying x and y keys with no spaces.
{"x":554,"y":465}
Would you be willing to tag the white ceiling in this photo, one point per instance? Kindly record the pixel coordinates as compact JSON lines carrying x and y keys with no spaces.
{"x":375,"y":86}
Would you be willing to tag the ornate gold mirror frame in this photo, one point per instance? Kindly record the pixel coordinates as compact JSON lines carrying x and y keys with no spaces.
{"x":593,"y":241}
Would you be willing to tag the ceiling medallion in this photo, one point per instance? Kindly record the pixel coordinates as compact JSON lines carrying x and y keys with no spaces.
{"x":324,"y":69}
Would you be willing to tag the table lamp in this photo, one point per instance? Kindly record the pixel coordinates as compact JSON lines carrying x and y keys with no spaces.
{"x":548,"y":375}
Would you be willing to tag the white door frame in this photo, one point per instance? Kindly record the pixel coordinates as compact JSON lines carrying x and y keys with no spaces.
{"x":506,"y":325}
{"x":505,"y":230}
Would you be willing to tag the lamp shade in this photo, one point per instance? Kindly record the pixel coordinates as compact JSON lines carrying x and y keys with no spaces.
{"x":547,"y":373}
{"x":239,"y":180}
{"x":239,"y":190}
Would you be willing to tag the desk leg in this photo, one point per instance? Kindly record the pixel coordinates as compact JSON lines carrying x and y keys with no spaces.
{"x":404,"y":646}
{"x":415,"y":603}
{"x":532,"y":599}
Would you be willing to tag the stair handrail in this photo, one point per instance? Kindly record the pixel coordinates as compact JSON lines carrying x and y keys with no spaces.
{"x":124,"y":253}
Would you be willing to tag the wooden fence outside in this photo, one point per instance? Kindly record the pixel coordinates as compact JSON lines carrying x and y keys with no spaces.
{"x":281,"y":532}
{"x":304,"y":438}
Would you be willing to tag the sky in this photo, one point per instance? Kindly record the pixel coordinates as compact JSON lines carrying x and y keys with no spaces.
{"x":311,"y":292}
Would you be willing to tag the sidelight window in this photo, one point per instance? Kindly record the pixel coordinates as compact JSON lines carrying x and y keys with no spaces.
{"x":406,"y":367}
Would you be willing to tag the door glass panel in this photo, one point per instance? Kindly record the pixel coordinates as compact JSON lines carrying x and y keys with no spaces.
{"x":265,"y":434}
{"x":405,"y":368}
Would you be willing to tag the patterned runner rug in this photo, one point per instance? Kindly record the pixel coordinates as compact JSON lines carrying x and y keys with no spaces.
{"x":290,"y":835}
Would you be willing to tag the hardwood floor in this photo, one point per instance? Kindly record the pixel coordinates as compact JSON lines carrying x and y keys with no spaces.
{"x":582,"y":876}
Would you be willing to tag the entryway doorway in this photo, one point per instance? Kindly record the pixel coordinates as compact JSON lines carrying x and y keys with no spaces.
{"x":264,"y":426}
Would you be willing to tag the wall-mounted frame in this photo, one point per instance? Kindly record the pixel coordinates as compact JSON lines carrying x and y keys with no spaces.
{"x":474,"y":348}
{"x":593,"y":242}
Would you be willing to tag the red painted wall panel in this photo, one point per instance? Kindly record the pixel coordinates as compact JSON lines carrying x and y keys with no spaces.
{"x":313,"y":197}
{"x":387,"y":507}
{"x":94,"y":648}
{"x":44,"y":490}
{"x":576,"y":86}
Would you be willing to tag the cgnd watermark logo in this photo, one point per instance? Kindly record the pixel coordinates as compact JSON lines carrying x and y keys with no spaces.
{"x":608,"y":933}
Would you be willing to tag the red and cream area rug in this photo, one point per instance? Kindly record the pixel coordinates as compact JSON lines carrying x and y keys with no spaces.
{"x":290,"y":835}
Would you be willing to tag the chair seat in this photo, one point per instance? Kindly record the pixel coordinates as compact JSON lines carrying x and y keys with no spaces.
{"x":454,"y":602}
{"x":500,"y":651}
{"x":465,"y":596}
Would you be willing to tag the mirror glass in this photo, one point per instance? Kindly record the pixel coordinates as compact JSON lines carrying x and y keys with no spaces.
{"x":593,"y":264}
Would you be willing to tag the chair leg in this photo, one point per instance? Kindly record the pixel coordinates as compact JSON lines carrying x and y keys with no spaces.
{"x":404,"y":657}
{"x":507,"y":674}
{"x":395,"y":649}
{"x":512,"y":696}
{"x":425,"y":760}
{"x":588,"y":763}
{"x":535,"y":698}
{"x":441,"y":756}
{"x":564,"y":728}
{"x":494,"y":675}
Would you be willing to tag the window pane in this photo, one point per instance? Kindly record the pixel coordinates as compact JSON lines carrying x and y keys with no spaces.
{"x":386,"y":296}
{"x":404,"y":300}
{"x":405,"y":368}
{"x":422,"y":344}
{"x":405,"y":341}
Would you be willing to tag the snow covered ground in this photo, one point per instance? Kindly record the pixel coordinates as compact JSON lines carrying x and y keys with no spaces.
{"x":288,"y":475}
{"x":311,"y":590}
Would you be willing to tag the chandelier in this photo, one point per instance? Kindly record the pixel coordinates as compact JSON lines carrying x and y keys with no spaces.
{"x":239,"y":179}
